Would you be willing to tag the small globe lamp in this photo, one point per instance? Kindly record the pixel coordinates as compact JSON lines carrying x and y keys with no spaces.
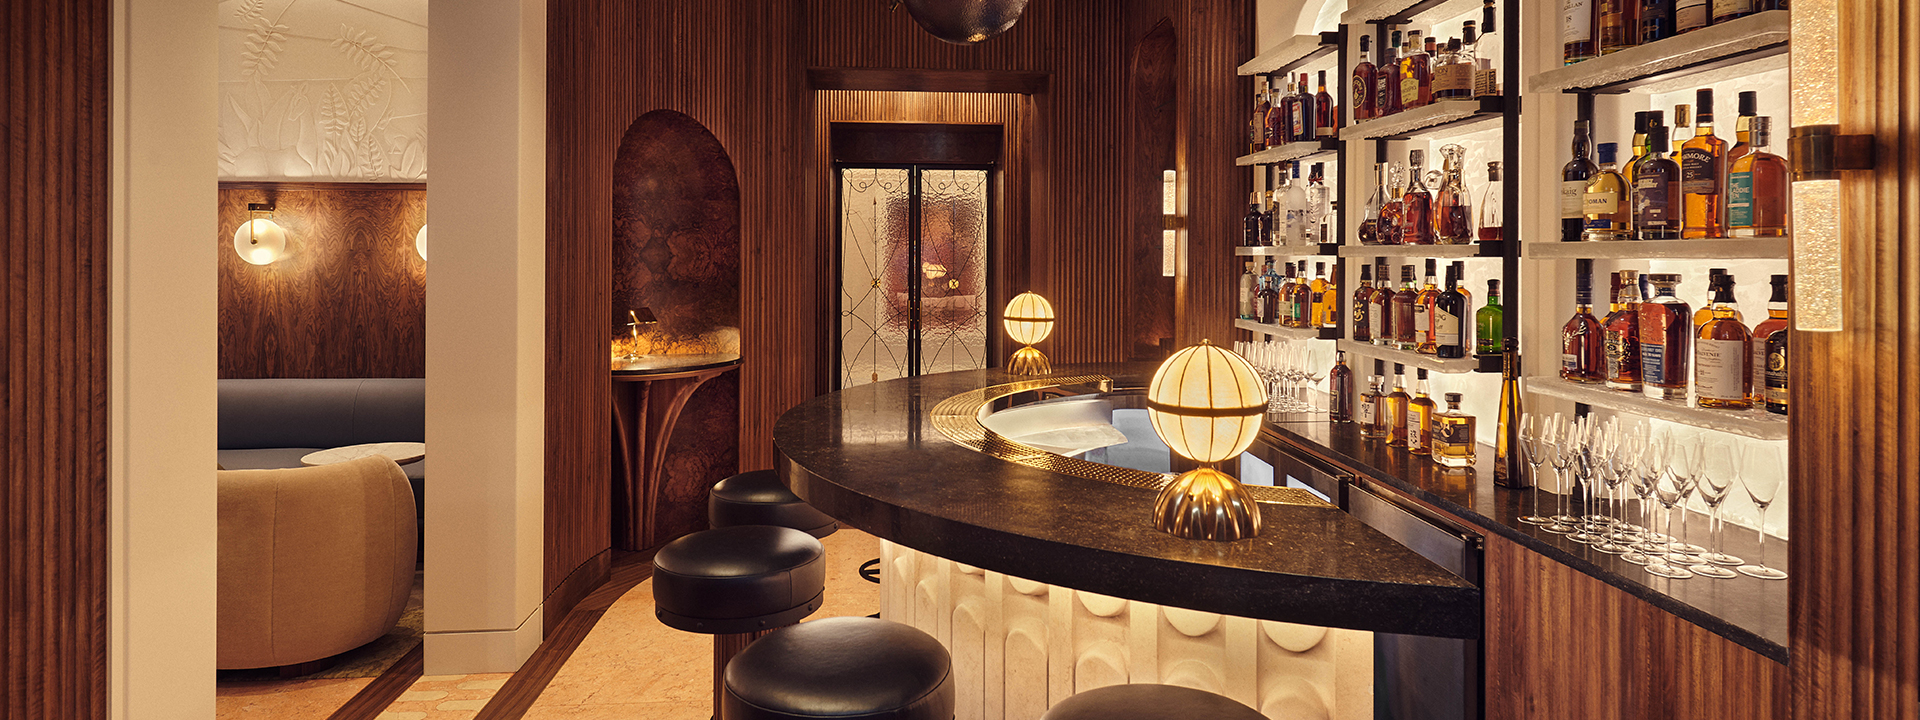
{"x":1206,"y":403}
{"x":1029,"y":319}
{"x":260,"y":240}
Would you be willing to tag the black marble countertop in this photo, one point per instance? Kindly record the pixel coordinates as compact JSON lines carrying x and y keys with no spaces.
{"x":871,"y":457}
{"x":1748,"y":611}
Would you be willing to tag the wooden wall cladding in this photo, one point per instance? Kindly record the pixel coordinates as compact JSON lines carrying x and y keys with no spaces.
{"x":1855,"y":484}
{"x":349,"y":299}
{"x":1562,"y":644}
{"x":1152,"y":81}
{"x":53,"y":369}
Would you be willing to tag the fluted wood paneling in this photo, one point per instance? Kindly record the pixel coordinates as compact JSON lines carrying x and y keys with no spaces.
{"x":1216,"y":38}
{"x":349,"y":299}
{"x":53,"y":367}
{"x":1855,"y":484}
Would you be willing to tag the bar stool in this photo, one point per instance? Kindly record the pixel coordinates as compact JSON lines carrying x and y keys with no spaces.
{"x":843,"y":667}
{"x":759,"y":498}
{"x":1149,"y":702}
{"x":737,"y":584}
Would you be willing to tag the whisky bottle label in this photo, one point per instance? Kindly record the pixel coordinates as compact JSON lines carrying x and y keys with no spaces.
{"x":1777,"y":372}
{"x":1723,"y":8}
{"x":1573,"y":195}
{"x":1651,"y":207}
{"x":1446,"y":329}
{"x":1690,"y":14}
{"x":1653,"y":358}
{"x":1601,"y":203}
{"x":1576,"y":21}
{"x":1409,"y":91}
{"x":1421,"y":317}
{"x":1453,"y":79}
{"x":1366,"y":411}
{"x":1361,"y":93}
{"x":1699,"y":168}
{"x":1376,"y":318}
{"x":1740,"y":200}
{"x":1484,"y":83}
{"x":1569,"y":364}
{"x":1760,"y":362}
{"x":1720,"y":369}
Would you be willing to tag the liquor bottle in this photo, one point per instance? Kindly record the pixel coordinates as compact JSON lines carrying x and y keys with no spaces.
{"x":1330,"y":305}
{"x":1370,"y":225}
{"x":1267,"y":219}
{"x":1665,"y":341}
{"x":1362,"y":305}
{"x":1606,"y":206}
{"x":1382,"y":426}
{"x":1776,"y":322}
{"x":1622,"y":328}
{"x":1361,"y":86}
{"x":1300,"y":109}
{"x":1267,"y":302}
{"x":1296,"y":202}
{"x":1452,"y":208}
{"x":1388,"y":231}
{"x":1582,"y":356}
{"x":1326,"y":120}
{"x":1380,"y":308}
{"x":1619,"y":25}
{"x":1690,"y":15}
{"x":1309,"y":112}
{"x":1251,"y":237}
{"x":1423,"y":304}
{"x":1302,"y":301}
{"x":1506,"y":462}
{"x":1682,"y":115}
{"x":1366,"y":409}
{"x":1449,"y":314}
{"x":1703,"y":173}
{"x":1340,"y":389}
{"x":1386,"y":79}
{"x":1396,"y":408}
{"x":1743,"y":129}
{"x":1577,"y":26}
{"x":1656,"y":20}
{"x":1317,"y":297}
{"x":1724,"y":10}
{"x":1757,"y":188}
{"x":1574,"y":177}
{"x":1416,"y":74}
{"x":1404,"y":335}
{"x":1715,"y":276}
{"x":1276,"y":121}
{"x":1257,"y":124}
{"x":1314,"y":222}
{"x":1776,"y":373}
{"x":1492,"y":215}
{"x":1453,"y":74}
{"x":1416,"y":206}
{"x":1249,"y":286}
{"x":1723,"y":356}
{"x":1489,"y":323}
{"x":1640,"y":122}
{"x":1453,"y":443}
{"x":1656,"y":191}
{"x":1283,"y":297}
{"x":1420,"y":412}
{"x":1487,"y":53}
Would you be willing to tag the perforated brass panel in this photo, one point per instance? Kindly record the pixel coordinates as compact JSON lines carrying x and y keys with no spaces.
{"x":958,"y":418}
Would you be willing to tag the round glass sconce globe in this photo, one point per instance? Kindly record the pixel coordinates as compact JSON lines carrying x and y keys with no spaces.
{"x":1206,"y":403}
{"x":1029,"y":318}
{"x":260,"y":241}
{"x":420,"y":242}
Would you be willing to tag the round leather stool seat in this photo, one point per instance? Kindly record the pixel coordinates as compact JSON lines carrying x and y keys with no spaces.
{"x":758,"y":498}
{"x":738,"y":579}
{"x":1149,"y":702}
{"x":846,"y":668}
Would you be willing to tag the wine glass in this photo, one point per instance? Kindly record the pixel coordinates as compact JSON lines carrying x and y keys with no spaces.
{"x":1763,"y":475}
{"x":1613,"y":473}
{"x":1584,"y":468}
{"x":1684,"y":465}
{"x":1621,"y":462}
{"x":1647,"y":469}
{"x":1534,"y":442}
{"x":1562,"y":452}
{"x":1316,"y":372}
{"x":1672,"y":488}
{"x":1717,"y":473}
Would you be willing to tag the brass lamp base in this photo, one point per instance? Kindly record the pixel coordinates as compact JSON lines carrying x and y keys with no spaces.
{"x":1206,"y":504}
{"x":1028,"y":361}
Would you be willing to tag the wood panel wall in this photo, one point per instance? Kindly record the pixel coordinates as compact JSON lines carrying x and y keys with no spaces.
{"x":350,"y":298}
{"x":53,"y":367}
{"x":1855,"y":484}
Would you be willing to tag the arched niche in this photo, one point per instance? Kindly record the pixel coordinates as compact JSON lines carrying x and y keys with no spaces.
{"x":676,"y":252}
{"x":1151,"y":77}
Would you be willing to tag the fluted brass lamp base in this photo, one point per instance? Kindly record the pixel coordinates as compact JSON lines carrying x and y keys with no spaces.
{"x":1206,"y":504}
{"x":1028,"y":361}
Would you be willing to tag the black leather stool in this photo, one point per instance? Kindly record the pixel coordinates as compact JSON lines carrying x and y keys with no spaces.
{"x":737,"y":584}
{"x":759,"y":498}
{"x":1149,"y":702}
{"x":844,"y":667}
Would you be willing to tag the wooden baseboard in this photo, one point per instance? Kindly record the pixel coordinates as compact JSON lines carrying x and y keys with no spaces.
{"x":518,"y":694}
{"x":559,"y":603}
{"x":377,"y":696}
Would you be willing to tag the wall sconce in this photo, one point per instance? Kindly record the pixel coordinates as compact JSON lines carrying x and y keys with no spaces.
{"x":1818,"y":152}
{"x":420,"y":242}
{"x":626,"y":337}
{"x":260,"y":240}
{"x":1029,"y":320}
{"x":1206,"y":403}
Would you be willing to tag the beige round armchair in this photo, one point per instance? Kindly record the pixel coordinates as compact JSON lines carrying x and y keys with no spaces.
{"x":314,"y":561}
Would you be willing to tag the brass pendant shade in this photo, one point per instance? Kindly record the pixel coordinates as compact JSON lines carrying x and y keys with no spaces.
{"x":1206,"y":504}
{"x":966,"y":22}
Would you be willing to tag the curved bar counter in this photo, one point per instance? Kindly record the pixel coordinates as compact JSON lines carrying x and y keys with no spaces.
{"x":874,"y":458}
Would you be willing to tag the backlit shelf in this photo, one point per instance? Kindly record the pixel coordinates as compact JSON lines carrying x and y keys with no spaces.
{"x":1282,"y":331}
{"x":1770,"y":248}
{"x":1756,"y":423}
{"x":1448,"y":115}
{"x":1734,"y":49}
{"x":1407,"y":12}
{"x":1485,"y":250}
{"x":1289,"y":152}
{"x":1414,"y":359}
{"x":1286,"y":251}
{"x":1291,"y":53}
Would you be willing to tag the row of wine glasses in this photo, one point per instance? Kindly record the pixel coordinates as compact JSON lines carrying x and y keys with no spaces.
{"x":1595,"y":459}
{"x":1291,"y":369}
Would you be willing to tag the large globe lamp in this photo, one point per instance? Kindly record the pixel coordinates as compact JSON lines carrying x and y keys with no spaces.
{"x":1029,"y":319}
{"x":1206,"y":403}
{"x":965,"y":22}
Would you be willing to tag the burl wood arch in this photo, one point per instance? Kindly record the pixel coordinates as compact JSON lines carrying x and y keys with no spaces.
{"x":676,"y":251}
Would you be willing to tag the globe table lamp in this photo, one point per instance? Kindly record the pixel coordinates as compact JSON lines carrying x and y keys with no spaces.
{"x":1029,"y":319}
{"x":1206,"y":403}
{"x":260,"y":240}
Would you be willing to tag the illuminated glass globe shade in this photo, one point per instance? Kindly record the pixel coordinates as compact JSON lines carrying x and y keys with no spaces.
{"x":260,"y":241}
{"x":420,"y":242}
{"x":1206,"y":403}
{"x":1029,"y":318}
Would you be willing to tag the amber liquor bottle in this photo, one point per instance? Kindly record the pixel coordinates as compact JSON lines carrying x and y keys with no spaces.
{"x":1326,"y":120}
{"x":1743,"y":129}
{"x":1573,"y":183}
{"x":1723,"y":356}
{"x":1361,"y":86}
{"x":1396,"y":408}
{"x":1405,"y":332}
{"x":1302,"y":302}
{"x":1362,"y":306}
{"x":1276,"y":121}
{"x":1453,"y":443}
{"x":1666,"y":340}
{"x":1622,"y":328}
{"x":1380,"y":309}
{"x":1322,"y":298}
{"x":1619,"y":25}
{"x":1582,"y":355}
{"x":1423,"y":304}
{"x":1340,"y":389}
{"x":1416,"y":206}
{"x":1656,"y":191}
{"x":1449,"y":319}
{"x":1386,"y":79}
{"x":1416,"y":74}
{"x":1420,"y":411}
{"x":1776,"y":322}
{"x":1702,"y":168}
{"x":1606,"y":200}
{"x":1367,"y":409}
{"x":1757,"y":188}
{"x":1506,"y":459}
{"x":1577,"y":29}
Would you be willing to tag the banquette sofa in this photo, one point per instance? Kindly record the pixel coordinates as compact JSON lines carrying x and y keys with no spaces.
{"x":271,"y":423}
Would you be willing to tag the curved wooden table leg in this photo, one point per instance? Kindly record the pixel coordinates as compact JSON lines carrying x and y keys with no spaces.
{"x":646,"y":411}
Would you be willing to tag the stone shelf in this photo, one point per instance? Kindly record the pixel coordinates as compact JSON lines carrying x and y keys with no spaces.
{"x":1454,"y":115}
{"x":1413,"y":359}
{"x":1774,"y":248}
{"x":1756,"y":423}
{"x":1483,"y":250}
{"x":1291,"y":53}
{"x":1289,"y":152}
{"x":1288,"y":333}
{"x":1735,"y":47}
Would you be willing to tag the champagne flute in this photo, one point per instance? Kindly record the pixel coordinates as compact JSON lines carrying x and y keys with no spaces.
{"x":1535,"y":440}
{"x":1717,"y":473}
{"x":1561,"y":452}
{"x":1763,"y":475}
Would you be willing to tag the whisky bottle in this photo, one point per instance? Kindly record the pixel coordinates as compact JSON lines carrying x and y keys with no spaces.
{"x":1268,"y":301}
{"x":1656,"y":20}
{"x":1315,"y":230}
{"x":1573,"y":183}
{"x":1492,"y":216}
{"x":1257,"y":124}
{"x":1453,"y":442}
{"x":1276,"y":121}
{"x":1449,"y":313}
{"x":1404,"y":330}
{"x":1416,"y":74}
{"x":1723,"y":356}
{"x":1396,"y":407}
{"x":1665,"y":341}
{"x":1423,"y":312}
{"x":1361,"y":86}
{"x":1380,"y":309}
{"x":1388,"y":231}
{"x":1367,"y":409}
{"x":1724,"y":10}
{"x":1757,"y":188}
{"x":1308,"y":108}
{"x":1702,"y":172}
{"x":1605,"y":205}
{"x":1776,"y":322}
{"x":1340,"y":389}
{"x":1251,"y":234}
{"x":1641,"y":121}
{"x":1326,"y":120}
{"x":1682,"y":114}
{"x":1487,"y":52}
{"x":1453,"y":76}
{"x":1249,"y":286}
{"x":1576,"y":25}
{"x":1690,"y":15}
{"x":1452,"y":208}
{"x":1362,"y":305}
{"x":1302,"y":299}
{"x":1776,"y":375}
{"x":1489,"y":324}
{"x":1582,"y":355}
{"x":1285,"y":300}
{"x":1420,"y":412}
{"x":1300,"y":109}
{"x":1619,"y":25}
{"x":1715,"y":276}
{"x":1656,"y":191}
{"x":1506,"y":461}
{"x":1622,"y":328}
{"x":1386,"y":79}
{"x":1330,"y":305}
{"x":1267,"y":219}
{"x":1370,"y":223}
{"x":1317,"y":298}
{"x":1743,"y":129}
{"x":1416,"y":206}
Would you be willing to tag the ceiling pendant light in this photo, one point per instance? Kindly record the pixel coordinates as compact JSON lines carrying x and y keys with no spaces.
{"x":966,"y":22}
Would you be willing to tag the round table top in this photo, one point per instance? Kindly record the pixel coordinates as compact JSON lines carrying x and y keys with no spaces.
{"x":645,"y":367}
{"x":399,"y":452}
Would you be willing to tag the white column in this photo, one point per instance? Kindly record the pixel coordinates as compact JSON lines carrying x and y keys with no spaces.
{"x":485,"y":335}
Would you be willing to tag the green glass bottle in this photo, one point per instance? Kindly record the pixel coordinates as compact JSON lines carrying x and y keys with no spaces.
{"x":1489,"y":323}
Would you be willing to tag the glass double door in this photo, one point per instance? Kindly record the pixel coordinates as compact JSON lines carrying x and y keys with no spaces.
{"x":913,"y":271}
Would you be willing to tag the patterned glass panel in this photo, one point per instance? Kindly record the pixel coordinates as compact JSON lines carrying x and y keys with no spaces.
{"x":953,"y":269}
{"x":874,"y":253}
